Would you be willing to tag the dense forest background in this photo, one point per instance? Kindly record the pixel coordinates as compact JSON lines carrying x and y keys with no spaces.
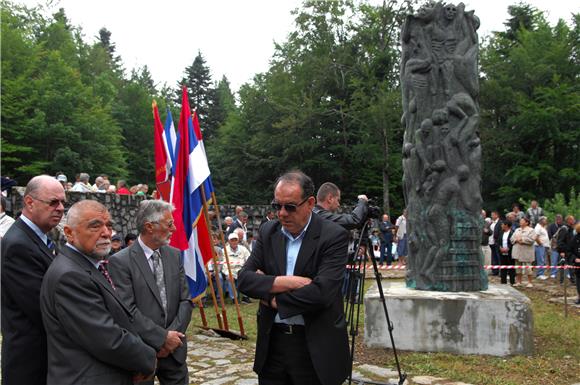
{"x":330,"y":104}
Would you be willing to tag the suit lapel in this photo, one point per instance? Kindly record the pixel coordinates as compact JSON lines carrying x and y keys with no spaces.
{"x":138,"y":257}
{"x":95,"y":274}
{"x":34,"y":238}
{"x":308,"y":245}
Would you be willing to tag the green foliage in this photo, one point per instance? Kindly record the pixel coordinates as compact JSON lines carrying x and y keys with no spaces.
{"x":530,"y":109}
{"x":560,"y":205}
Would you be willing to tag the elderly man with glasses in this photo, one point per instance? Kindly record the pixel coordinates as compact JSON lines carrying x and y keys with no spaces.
{"x":296,"y":270}
{"x":27,"y":252}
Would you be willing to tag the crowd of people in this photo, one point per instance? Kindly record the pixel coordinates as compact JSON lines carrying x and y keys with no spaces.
{"x":528,"y":239}
{"x":102,"y":184}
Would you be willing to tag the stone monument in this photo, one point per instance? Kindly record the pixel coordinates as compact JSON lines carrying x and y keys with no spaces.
{"x":441,"y":149}
{"x":453,"y":310}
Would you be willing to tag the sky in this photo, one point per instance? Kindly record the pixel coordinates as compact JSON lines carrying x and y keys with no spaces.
{"x":236,"y":37}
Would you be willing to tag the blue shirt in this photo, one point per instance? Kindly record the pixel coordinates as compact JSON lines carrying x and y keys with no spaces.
{"x":293,"y":245}
{"x":34,"y":228}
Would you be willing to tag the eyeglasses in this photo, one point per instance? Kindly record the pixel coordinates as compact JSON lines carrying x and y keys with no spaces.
{"x":290,"y":207}
{"x":52,"y":203}
{"x":168,"y":224}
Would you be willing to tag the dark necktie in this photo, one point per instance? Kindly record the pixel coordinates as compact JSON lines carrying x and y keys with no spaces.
{"x":105,"y":272}
{"x":159,"y":278}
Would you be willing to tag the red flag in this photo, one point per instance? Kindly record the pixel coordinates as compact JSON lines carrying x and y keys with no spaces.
{"x":161,"y":172}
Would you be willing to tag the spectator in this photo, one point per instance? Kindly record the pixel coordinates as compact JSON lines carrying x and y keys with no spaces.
{"x":241,"y":223}
{"x":116,"y":244}
{"x":534,"y":213}
{"x":228,"y":221}
{"x":122,"y":188}
{"x":564,"y":237}
{"x":104,"y":187}
{"x":486,"y":233}
{"x":134,"y":189}
{"x":82,"y":185}
{"x":386,"y":231}
{"x":98,"y":182}
{"x":401,"y":237}
{"x":5,"y":220}
{"x":517,"y":212}
{"x":62,"y":179}
{"x":523,"y":240}
{"x":574,"y":248}
{"x":237,"y":255}
{"x":129,"y":239}
{"x":495,"y":227}
{"x":542,"y":246}
{"x":505,"y":252}
{"x":554,"y":255}
{"x":238,"y":210}
{"x":112,"y":189}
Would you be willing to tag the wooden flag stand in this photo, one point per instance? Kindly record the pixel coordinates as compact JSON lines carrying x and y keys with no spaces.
{"x":223,"y":326}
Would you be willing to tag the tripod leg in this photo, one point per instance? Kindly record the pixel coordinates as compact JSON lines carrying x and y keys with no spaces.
{"x":402,"y":376}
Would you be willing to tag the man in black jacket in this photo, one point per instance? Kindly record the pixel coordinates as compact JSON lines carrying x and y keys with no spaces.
{"x":328,"y":201}
{"x":564,"y":238}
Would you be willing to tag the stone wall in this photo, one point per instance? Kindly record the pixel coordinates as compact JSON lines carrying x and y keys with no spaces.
{"x":124,"y":207}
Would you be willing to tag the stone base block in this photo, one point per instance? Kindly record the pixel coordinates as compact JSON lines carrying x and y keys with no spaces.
{"x":496,"y":322}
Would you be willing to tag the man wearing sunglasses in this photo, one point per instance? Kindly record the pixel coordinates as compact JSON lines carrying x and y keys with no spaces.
{"x":296,"y":270}
{"x":27,"y":252}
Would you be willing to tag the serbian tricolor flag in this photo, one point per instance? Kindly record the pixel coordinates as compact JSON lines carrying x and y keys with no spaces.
{"x":207,"y":183}
{"x":191,"y":235}
{"x":163,"y":162}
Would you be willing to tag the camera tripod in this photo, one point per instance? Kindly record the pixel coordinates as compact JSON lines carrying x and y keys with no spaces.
{"x":354,"y":297}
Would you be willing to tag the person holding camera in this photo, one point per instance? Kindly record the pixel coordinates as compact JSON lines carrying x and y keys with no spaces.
{"x":328,"y":201}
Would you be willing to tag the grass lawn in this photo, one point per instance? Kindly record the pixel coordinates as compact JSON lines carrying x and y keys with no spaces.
{"x":556,"y":358}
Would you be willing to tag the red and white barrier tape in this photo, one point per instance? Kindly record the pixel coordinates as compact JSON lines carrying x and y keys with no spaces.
{"x":486,"y":267}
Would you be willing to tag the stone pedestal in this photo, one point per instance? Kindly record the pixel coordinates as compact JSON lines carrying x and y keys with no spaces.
{"x":496,"y":322}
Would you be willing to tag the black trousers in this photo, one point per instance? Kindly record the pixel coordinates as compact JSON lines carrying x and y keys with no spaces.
{"x":506,"y":260}
{"x":289,"y":361}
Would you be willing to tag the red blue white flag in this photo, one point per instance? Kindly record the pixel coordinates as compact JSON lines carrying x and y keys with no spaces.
{"x":208,"y":185}
{"x":163,"y":161}
{"x":191,"y":235}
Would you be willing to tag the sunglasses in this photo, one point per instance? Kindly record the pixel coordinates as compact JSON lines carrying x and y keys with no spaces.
{"x":290,"y":207}
{"x":52,"y":203}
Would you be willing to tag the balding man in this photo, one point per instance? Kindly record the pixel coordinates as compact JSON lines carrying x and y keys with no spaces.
{"x":92,"y":333}
{"x":27,"y":252}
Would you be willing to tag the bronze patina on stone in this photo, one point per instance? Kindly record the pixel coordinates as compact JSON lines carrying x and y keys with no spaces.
{"x":442,"y":149}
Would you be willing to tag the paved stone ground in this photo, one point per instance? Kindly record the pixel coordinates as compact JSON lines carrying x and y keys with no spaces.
{"x":214,"y":360}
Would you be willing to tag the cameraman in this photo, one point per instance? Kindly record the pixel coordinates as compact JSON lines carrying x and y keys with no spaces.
{"x":328,"y":201}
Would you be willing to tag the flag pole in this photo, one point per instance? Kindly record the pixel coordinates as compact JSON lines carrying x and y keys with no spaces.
{"x":199,"y":303}
{"x":215,"y":262}
{"x":214,"y":300}
{"x":230,"y":276}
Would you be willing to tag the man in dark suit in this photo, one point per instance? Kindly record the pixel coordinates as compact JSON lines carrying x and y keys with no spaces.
{"x":296,"y":270}
{"x":150,"y":277}
{"x":26,"y":254}
{"x":92,"y":333}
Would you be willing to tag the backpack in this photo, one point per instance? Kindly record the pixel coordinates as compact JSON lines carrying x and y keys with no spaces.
{"x":554,"y":240}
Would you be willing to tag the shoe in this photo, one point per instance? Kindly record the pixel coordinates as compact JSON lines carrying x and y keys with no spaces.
{"x":246,"y":300}
{"x":553,"y":276}
{"x":529,"y":285}
{"x":577,"y":302}
{"x":517,"y":284}
{"x":543,"y":277}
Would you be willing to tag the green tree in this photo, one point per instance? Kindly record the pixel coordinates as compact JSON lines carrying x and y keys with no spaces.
{"x":530,"y":114}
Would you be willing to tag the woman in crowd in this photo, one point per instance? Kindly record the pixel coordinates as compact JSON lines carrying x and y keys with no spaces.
{"x":523,"y":240}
